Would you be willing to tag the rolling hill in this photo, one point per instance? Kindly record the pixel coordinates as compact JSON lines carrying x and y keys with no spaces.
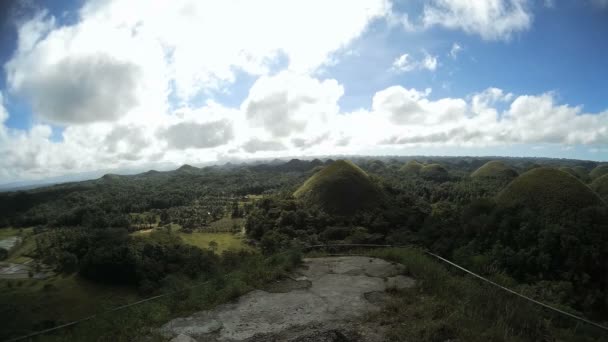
{"x":412,"y":167}
{"x":548,"y":191}
{"x":598,"y":172}
{"x":600,"y":186}
{"x":434,"y":172}
{"x":341,"y":188}
{"x":495,"y":169}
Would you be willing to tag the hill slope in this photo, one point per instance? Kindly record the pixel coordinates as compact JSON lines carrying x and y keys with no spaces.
{"x":598,"y":172}
{"x":434,"y":172}
{"x":548,"y":191}
{"x":412,"y":167}
{"x":495,"y":169}
{"x":341,"y":188}
{"x":600,"y":186}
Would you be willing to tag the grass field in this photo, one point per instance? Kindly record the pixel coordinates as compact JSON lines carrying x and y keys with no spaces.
{"x":225,"y":241}
{"x":226,"y":224}
{"x":8,"y":232}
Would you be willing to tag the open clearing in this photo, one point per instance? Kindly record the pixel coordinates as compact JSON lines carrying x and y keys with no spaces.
{"x":327,"y":299}
{"x":225,"y":241}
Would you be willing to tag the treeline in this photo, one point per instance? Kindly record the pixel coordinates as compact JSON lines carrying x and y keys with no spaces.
{"x":561,"y":262}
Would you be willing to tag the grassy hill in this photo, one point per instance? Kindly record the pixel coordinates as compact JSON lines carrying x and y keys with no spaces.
{"x":495,"y":169}
{"x":577,"y":171}
{"x":548,"y":191}
{"x":598,"y":172}
{"x":340,"y":188}
{"x":600,"y":186}
{"x":434,"y":172}
{"x":412,"y":167}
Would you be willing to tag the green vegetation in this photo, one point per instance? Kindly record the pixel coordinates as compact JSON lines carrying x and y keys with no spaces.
{"x":340,"y":188}
{"x":127,"y":237}
{"x":451,"y":306}
{"x":598,"y":172}
{"x":224,"y":241}
{"x":577,"y":171}
{"x":495,"y":169}
{"x":31,"y":304}
{"x":600,"y":186}
{"x":434,"y":172}
{"x":548,"y":191}
{"x":412,"y":168}
{"x":242,"y":272}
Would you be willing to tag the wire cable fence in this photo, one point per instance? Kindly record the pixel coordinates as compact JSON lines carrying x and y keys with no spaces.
{"x":484,"y":279}
{"x":310,"y":248}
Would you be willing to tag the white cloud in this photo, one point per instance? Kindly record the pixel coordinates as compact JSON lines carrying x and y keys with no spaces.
{"x":107,"y":80}
{"x":429,"y":62}
{"x":207,"y":41}
{"x":404,"y":63}
{"x":291,"y":105}
{"x":255,"y":145}
{"x":490,"y":19}
{"x":455,"y":50}
{"x":3,"y":112}
{"x":198,"y":135}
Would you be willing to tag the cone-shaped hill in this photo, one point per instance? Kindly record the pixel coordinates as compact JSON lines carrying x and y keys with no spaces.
{"x":600,"y":186}
{"x":340,"y":188}
{"x":412,"y":168}
{"x":495,"y":169}
{"x":434,"y":172}
{"x":599,"y":172}
{"x":577,"y":171}
{"x":548,"y":191}
{"x":187,"y":169}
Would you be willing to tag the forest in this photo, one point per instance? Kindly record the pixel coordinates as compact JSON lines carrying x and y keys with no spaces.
{"x":538,"y":224}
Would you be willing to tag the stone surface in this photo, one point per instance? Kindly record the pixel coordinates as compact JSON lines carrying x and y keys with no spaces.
{"x":325,"y":300}
{"x":182,"y":338}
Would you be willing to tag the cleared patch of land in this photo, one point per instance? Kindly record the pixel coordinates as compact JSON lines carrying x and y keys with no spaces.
{"x":225,"y":241}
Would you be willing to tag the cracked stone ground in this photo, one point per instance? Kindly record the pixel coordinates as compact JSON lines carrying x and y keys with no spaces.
{"x":325,"y":300}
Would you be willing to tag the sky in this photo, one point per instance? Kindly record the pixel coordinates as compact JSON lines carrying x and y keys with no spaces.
{"x":88,"y":85}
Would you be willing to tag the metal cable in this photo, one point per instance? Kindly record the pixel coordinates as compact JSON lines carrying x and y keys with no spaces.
{"x":122,"y":307}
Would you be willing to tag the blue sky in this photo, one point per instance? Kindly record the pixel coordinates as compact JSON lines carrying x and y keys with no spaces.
{"x":119,"y":84}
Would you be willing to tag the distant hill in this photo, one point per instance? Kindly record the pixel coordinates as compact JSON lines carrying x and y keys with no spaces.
{"x":600,"y":186}
{"x":412,"y":168}
{"x":598,"y":172}
{"x":548,"y":191}
{"x":188,"y":169}
{"x":577,"y":171}
{"x":340,"y":188}
{"x":434,"y":172}
{"x":495,"y":169}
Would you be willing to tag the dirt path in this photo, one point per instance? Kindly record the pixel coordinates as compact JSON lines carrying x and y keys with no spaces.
{"x":325,"y":300}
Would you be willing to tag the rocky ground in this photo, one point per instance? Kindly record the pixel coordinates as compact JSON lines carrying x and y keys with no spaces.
{"x":326,"y":299}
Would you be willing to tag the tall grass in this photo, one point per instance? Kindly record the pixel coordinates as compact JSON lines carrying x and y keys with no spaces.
{"x":446,"y":305}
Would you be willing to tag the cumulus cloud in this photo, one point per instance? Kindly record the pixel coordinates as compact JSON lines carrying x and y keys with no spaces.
{"x":207,"y":41}
{"x":405,"y":63}
{"x":198,"y":135}
{"x":478,"y":121}
{"x":491,"y":19}
{"x":80,"y":90}
{"x":289,"y":104}
{"x":255,"y":145}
